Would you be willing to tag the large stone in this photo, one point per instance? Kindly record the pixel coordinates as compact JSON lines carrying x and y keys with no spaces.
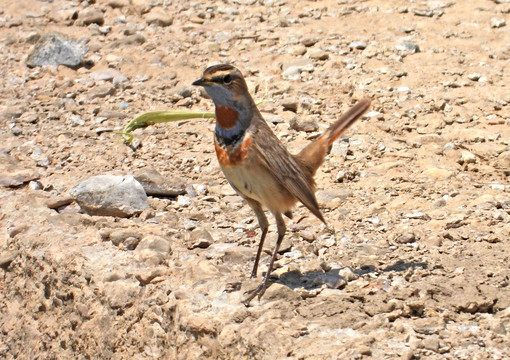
{"x":57,"y":49}
{"x":110,"y":195}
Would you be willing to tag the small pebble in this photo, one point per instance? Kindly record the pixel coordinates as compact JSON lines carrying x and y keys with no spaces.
{"x":408,"y":48}
{"x":200,"y":238}
{"x":300,"y":123}
{"x":309,"y":42}
{"x":372,"y":114}
{"x":360,"y":45}
{"x":403,"y":89}
{"x":318,"y":54}
{"x":35,"y":185}
{"x":417,"y":215}
{"x":183,"y":201}
{"x":90,"y":16}
{"x":307,"y":235}
{"x":202,"y":189}
{"x":499,"y":187}
{"x":474,"y":76}
{"x":467,"y":157}
{"x":423,"y":12}
{"x":497,"y":22}
{"x":449,"y":146}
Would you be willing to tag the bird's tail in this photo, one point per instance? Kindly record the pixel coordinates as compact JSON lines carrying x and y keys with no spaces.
{"x":312,"y":156}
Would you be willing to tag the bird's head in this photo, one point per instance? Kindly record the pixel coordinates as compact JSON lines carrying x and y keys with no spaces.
{"x":226,"y":86}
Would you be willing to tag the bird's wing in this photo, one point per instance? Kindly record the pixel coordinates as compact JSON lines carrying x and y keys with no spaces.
{"x":284,"y":167}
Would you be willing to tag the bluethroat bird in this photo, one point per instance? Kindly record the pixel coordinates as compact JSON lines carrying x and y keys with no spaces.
{"x":256,"y":163}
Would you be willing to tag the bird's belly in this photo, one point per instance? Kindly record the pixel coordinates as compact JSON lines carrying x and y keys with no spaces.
{"x":257,"y":183}
{"x":252,"y":180}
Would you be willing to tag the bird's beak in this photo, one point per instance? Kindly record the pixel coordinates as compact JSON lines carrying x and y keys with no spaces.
{"x":201,"y":82}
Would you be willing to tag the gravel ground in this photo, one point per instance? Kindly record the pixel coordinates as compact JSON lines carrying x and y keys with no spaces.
{"x":414,"y":263}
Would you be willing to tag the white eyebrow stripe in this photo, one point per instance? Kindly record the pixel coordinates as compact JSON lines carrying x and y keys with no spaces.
{"x":218,"y":73}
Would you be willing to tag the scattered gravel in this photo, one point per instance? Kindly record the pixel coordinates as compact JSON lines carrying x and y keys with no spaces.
{"x":413,"y":261}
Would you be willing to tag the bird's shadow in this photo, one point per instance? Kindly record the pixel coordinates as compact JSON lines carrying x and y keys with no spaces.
{"x":333,"y":279}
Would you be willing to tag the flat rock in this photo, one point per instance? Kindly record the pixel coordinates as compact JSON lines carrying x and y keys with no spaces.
{"x":55,"y":202}
{"x":309,"y":41}
{"x":12,"y":174}
{"x":318,"y":54}
{"x":273,"y":118}
{"x":155,"y":243}
{"x":57,"y":49}
{"x":17,"y":177}
{"x":110,"y":195}
{"x":238,"y":254}
{"x":90,"y":16}
{"x":297,"y":50}
{"x":101,"y":91}
{"x":112,"y":75}
{"x":128,"y":40}
{"x":156,"y":184}
{"x":331,"y":199}
{"x":159,"y":18}
{"x":437,"y":173}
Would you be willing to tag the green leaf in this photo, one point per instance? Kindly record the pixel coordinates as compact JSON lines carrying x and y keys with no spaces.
{"x":157,"y":117}
{"x":163,"y":116}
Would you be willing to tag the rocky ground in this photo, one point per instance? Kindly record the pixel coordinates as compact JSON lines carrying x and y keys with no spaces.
{"x":415,"y":262}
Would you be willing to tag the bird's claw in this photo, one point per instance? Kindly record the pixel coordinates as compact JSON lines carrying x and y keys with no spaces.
{"x":259,"y":290}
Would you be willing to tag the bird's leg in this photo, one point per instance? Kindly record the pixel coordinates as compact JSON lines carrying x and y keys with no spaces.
{"x":264,"y":225}
{"x":261,"y":289}
{"x":259,"y":251}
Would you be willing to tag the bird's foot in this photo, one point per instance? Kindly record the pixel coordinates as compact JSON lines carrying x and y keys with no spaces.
{"x":259,"y":290}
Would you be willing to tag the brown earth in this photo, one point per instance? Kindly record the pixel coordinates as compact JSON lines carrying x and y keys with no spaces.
{"x":415,"y":263}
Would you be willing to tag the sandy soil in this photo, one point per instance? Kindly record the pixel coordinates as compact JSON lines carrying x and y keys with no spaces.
{"x":415,"y":264}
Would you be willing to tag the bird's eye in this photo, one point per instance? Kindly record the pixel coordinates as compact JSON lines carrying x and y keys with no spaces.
{"x":227,"y":79}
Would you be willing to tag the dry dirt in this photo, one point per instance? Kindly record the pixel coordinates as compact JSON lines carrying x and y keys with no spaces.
{"x":415,"y":263}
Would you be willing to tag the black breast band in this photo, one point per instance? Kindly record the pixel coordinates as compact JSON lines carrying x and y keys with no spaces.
{"x":229,"y":141}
